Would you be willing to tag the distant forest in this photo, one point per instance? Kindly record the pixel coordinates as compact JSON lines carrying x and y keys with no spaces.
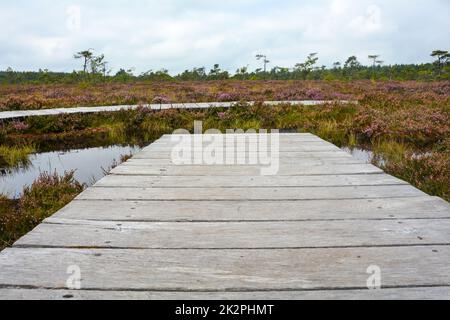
{"x":94,"y":70}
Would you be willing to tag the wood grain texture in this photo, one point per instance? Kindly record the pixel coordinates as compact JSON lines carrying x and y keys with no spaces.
{"x":155,"y":230}
{"x":247,"y":181}
{"x":219,"y":235}
{"x":287,"y":156}
{"x":235,"y":170}
{"x":250,"y":193}
{"x":368,"y":209}
{"x":421,"y":293}
{"x":285,"y":161}
{"x":226,"y":270}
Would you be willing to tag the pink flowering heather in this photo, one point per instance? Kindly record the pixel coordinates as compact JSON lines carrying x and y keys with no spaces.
{"x":19,"y":126}
{"x":225,"y":97}
{"x":315,"y":94}
{"x":161,"y":100}
{"x":222,"y":115}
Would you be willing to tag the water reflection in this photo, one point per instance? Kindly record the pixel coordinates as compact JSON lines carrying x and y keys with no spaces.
{"x":360,"y":154}
{"x":89,"y":165}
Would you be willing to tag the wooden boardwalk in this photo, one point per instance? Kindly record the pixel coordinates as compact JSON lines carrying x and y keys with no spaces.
{"x":17,"y":114}
{"x":155,"y":230}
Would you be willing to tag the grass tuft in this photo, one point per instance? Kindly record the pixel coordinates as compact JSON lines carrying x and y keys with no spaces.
{"x":390,"y":150}
{"x":16,"y":155}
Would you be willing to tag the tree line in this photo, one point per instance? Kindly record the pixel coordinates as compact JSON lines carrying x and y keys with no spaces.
{"x":94,"y":69}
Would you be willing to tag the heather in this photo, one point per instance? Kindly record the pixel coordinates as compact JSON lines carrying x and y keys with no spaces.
{"x":408,"y":131}
{"x":45,"y":196}
{"x":413,"y":113}
{"x":428,"y":171}
{"x":25,"y":97}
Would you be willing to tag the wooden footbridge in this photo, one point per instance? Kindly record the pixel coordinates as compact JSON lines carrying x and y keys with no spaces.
{"x":324,"y":226}
{"x":20,"y":114}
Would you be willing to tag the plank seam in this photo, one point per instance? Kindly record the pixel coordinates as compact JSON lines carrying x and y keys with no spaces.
{"x":246,"y":186}
{"x":239,"y":221}
{"x":29,"y":246}
{"x":230,"y":290}
{"x":240,"y":175}
{"x":252,"y":200}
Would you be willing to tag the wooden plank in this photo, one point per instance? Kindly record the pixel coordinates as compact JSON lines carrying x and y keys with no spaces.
{"x":275,"y":193}
{"x":295,"y":135}
{"x":282,"y":148}
{"x":226,"y":270}
{"x":224,"y":143}
{"x":393,"y":208}
{"x":283,"y":162}
{"x":247,"y":181}
{"x":237,"y":235}
{"x":236,"y":170}
{"x":235,"y":142}
{"x":421,"y":293}
{"x":243,"y":142}
{"x":296,"y":155}
{"x":282,"y":138}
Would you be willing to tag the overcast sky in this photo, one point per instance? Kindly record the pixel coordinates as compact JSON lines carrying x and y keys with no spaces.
{"x":180,"y":34}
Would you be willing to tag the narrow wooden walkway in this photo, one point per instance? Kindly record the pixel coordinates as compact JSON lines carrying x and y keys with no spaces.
{"x":155,"y":230}
{"x":17,"y":114}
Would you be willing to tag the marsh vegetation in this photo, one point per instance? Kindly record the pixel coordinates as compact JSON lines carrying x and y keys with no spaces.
{"x":404,"y":125}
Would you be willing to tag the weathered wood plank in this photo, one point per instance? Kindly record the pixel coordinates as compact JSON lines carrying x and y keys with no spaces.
{"x":225,"y":270}
{"x":247,"y":181}
{"x":238,"y":193}
{"x":282,"y":148}
{"x":283,"y":139}
{"x":422,"y":293}
{"x":243,"y":142}
{"x":286,"y":155}
{"x":287,"y":136}
{"x":394,"y":208}
{"x":294,"y":135}
{"x":153,"y":230}
{"x":233,"y":170}
{"x":247,"y":145}
{"x":284,"y":161}
{"x":58,"y":111}
{"x":237,"y":235}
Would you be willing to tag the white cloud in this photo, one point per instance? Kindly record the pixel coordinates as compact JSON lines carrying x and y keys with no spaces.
{"x":179,"y":34}
{"x":339,"y":7}
{"x":371,"y":22}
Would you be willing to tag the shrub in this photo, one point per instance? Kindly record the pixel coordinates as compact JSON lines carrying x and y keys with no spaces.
{"x":161,"y":100}
{"x":428,"y":172}
{"x":225,"y":97}
{"x":19,"y":126}
{"x":49,"y":193}
{"x":45,"y":196}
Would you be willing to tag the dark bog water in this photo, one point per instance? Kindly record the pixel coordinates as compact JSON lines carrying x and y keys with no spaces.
{"x":89,"y":165}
